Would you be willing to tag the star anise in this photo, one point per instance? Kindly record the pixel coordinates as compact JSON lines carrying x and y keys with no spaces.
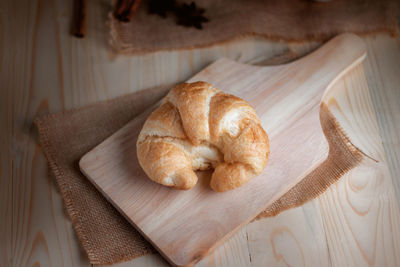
{"x":189,"y":15}
{"x":161,"y":7}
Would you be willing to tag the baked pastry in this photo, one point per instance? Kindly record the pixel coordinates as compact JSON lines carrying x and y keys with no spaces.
{"x":198,"y":127}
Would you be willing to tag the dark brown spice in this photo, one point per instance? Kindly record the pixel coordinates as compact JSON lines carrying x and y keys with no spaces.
{"x":125,"y":9}
{"x":188,"y":15}
{"x":161,"y":8}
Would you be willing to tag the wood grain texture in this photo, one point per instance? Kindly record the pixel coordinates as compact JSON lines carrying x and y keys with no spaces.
{"x":383,"y":68}
{"x":361,"y":208}
{"x":185,"y":226}
{"x":6,"y":181}
{"x":35,"y":38}
{"x":36,"y":230}
{"x":293,"y":238}
{"x":232,"y":253}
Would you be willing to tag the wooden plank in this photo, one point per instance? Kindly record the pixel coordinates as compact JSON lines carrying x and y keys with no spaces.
{"x":6,"y":165}
{"x":37,"y":231}
{"x":293,"y":238}
{"x":233,"y":252}
{"x":6,"y":182}
{"x":6,"y":154}
{"x":360,"y":213}
{"x":382,"y":68}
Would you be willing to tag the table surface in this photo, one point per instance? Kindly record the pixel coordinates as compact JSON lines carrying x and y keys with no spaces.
{"x":43,"y":69}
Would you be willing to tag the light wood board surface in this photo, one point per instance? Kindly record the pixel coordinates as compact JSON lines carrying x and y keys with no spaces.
{"x":43,"y":69}
{"x":185,"y":226}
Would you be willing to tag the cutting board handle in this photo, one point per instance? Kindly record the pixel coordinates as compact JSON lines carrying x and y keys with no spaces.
{"x":310,"y":77}
{"x":333,"y":59}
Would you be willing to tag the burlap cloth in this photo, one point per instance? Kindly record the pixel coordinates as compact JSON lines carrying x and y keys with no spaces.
{"x":290,"y":20}
{"x":104,"y":234}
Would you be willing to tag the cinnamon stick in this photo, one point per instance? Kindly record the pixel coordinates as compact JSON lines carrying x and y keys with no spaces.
{"x":79,"y":27}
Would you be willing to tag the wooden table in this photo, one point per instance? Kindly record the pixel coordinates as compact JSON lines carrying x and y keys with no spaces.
{"x":43,"y":69}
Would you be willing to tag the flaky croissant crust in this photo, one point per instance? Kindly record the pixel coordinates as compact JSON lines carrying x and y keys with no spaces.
{"x":198,"y":127}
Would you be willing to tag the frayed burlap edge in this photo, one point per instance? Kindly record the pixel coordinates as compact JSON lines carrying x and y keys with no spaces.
{"x":57,"y":172}
{"x":61,"y":185}
{"x":72,"y":214}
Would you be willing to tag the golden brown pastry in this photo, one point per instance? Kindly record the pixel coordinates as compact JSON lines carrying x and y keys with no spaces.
{"x":198,"y":127}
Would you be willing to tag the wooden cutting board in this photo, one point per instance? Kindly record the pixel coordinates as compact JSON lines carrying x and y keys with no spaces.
{"x":184,"y":226}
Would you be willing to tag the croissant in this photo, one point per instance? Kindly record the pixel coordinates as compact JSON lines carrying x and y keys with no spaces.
{"x":198,"y":127}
